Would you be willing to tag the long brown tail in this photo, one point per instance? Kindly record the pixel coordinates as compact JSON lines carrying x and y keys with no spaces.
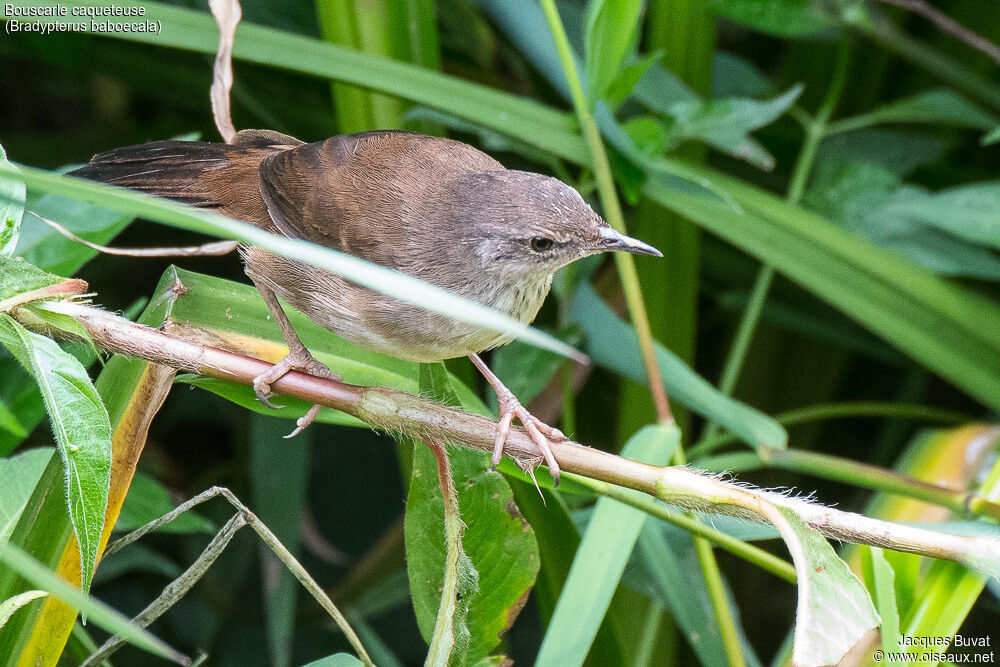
{"x":172,"y":169}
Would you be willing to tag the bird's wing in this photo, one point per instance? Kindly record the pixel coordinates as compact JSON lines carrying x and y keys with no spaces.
{"x":355,"y":192}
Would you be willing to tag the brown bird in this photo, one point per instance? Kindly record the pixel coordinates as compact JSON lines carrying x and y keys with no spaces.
{"x":431,"y":207}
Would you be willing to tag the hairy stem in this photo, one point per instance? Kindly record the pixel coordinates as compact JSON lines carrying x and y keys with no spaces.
{"x":420,"y":418}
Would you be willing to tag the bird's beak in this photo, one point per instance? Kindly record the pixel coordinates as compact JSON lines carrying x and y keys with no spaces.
{"x":614,"y":240}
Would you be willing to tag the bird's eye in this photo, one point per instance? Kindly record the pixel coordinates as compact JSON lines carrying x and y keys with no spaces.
{"x":541,"y":244}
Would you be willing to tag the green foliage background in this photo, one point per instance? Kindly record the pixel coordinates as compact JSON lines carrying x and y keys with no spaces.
{"x":755,"y":152}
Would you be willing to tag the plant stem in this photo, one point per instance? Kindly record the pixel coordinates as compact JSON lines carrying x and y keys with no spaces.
{"x":815,"y":131}
{"x":748,"y":552}
{"x":864,"y":475}
{"x":443,"y":640}
{"x":636,"y":306}
{"x":412,"y":416}
{"x":612,"y":211}
{"x":825,"y":411}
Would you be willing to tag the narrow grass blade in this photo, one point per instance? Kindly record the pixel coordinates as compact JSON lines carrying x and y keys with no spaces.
{"x":97,"y":611}
{"x":600,"y":561}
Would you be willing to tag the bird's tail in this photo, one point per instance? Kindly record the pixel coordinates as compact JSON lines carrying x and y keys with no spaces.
{"x":172,"y":169}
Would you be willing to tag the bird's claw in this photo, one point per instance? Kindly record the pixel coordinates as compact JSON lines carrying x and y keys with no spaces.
{"x":293,"y":361}
{"x":539,"y":431}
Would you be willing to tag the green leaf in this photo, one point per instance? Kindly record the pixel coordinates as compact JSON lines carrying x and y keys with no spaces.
{"x":600,"y":560}
{"x":81,"y":428}
{"x":10,"y":605}
{"x":950,"y":232}
{"x":991,"y":137}
{"x":623,"y":84}
{"x":11,"y":210}
{"x":499,"y":543}
{"x":21,"y":282}
{"x":60,"y":322}
{"x":834,"y":610}
{"x":230,"y":314}
{"x":940,"y":325}
{"x":526,"y":369}
{"x":98,"y":612}
{"x":939,"y":106}
{"x":20,"y":474}
{"x":610,"y":33}
{"x":647,"y":134}
{"x":726,"y":124}
{"x":781,"y":18}
{"x":148,"y":500}
{"x":665,"y":565}
{"x":449,"y":637}
{"x":387,"y":281}
{"x":44,"y":247}
{"x":8,"y":418}
{"x":335,"y":660}
{"x":613,"y":344}
{"x":735,"y":76}
{"x":970,"y":212}
{"x":881,"y":585}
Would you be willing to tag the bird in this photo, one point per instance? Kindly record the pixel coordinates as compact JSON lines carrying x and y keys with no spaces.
{"x":432,"y":207}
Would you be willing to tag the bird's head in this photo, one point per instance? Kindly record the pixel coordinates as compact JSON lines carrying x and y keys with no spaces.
{"x":528,"y":225}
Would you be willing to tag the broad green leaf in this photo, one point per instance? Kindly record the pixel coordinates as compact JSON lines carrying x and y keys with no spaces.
{"x":897,"y":150}
{"x":98,"y":612}
{"x":600,"y":560}
{"x":834,"y":610}
{"x":387,"y":281}
{"x":726,"y":124}
{"x":499,"y":543}
{"x":735,"y":76}
{"x":131,"y":389}
{"x":648,"y":134}
{"x":81,"y":428}
{"x":610,"y":32}
{"x":991,"y":137}
{"x":20,"y":474}
{"x":10,"y":605}
{"x":781,"y":18}
{"x":939,"y":106}
{"x":613,"y":344}
{"x":11,"y":211}
{"x":279,"y":478}
{"x":148,"y":500}
{"x":950,"y":232}
{"x":969,"y":212}
{"x":64,"y":324}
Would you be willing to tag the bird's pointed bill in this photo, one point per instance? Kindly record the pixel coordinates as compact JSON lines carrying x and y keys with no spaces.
{"x":612,"y":239}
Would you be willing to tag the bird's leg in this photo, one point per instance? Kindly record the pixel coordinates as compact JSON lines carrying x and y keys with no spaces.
{"x":510,"y":407}
{"x":297,"y":359}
